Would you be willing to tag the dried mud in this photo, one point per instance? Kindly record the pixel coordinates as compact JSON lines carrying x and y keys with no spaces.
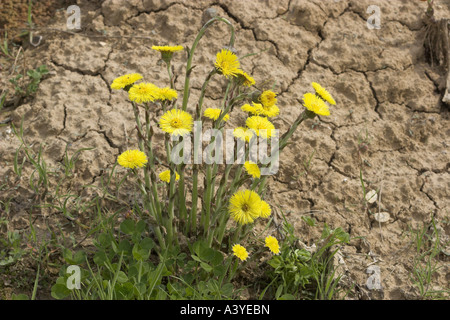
{"x":389,"y":121}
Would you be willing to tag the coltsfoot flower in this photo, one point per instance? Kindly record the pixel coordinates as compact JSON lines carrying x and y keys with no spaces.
{"x":315,"y":104}
{"x":132,"y":159}
{"x":272,"y":244}
{"x":245,"y":206}
{"x":268,"y":98}
{"x":267,"y":111}
{"x":265,"y":210}
{"x":214,"y":114}
{"x":252,"y":169}
{"x":253,"y":108}
{"x":167,"y":51}
{"x":323,"y":93}
{"x":176,"y":122}
{"x":245,"y":79}
{"x":261,"y":126}
{"x":227,"y":63}
{"x":167,"y":48}
{"x":167,"y":94}
{"x":240,"y":252}
{"x":244,"y":134}
{"x":144,"y":92}
{"x":126,"y":81}
{"x":165,"y":176}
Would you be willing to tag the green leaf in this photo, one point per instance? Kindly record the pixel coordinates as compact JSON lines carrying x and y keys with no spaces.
{"x":79,"y":257}
{"x":206,"y":266}
{"x":122,"y":277}
{"x":140,"y":226}
{"x":60,"y":291}
{"x":20,"y":296}
{"x":196,"y":258}
{"x":100,"y":258}
{"x":127,"y":226}
{"x":286,"y":296}
{"x":147,"y":244}
{"x":125,"y":246}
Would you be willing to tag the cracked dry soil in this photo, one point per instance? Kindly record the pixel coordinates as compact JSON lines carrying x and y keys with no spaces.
{"x":389,"y":121}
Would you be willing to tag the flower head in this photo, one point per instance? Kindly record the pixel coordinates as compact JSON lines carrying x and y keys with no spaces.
{"x":272,"y":244}
{"x":143,"y":92}
{"x":323,"y":93}
{"x":176,"y":122}
{"x":167,"y":51}
{"x":268,"y":98}
{"x":167,"y":48}
{"x":265,"y":210}
{"x":132,"y":159}
{"x":267,"y":111}
{"x":240,"y":252}
{"x":252,"y":169}
{"x":165,"y":176}
{"x":126,"y":81}
{"x":167,"y":94}
{"x":214,"y":114}
{"x":245,"y":79}
{"x":261,"y":126}
{"x":253,"y":108}
{"x":243,"y":134}
{"x":227,"y":63}
{"x":245,"y":206}
{"x":315,"y":104}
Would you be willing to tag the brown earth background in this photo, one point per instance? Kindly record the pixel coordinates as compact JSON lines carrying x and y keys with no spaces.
{"x":389,"y":120}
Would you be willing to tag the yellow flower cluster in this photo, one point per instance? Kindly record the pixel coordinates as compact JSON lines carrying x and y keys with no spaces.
{"x":142,"y":92}
{"x":246,"y":206}
{"x":227,"y":64}
{"x":270,"y":242}
{"x":316,"y":102}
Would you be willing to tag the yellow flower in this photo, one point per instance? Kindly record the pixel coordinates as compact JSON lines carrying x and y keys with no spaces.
{"x":125,"y":81}
{"x":245,"y":78}
{"x":272,"y":244}
{"x":252,"y":169}
{"x":167,"y":48}
{"x":214,"y":114}
{"x":240,"y":252}
{"x":227,"y":63}
{"x":165,"y":176}
{"x":167,"y":94}
{"x":167,"y":51}
{"x":266,"y":111}
{"x":143,"y":92}
{"x":268,"y":98}
{"x":243,"y":134}
{"x":176,"y":122}
{"x":265,"y":210}
{"x":251,"y":108}
{"x":245,"y":206}
{"x":315,"y":104}
{"x":261,"y":126}
{"x":323,"y":93}
{"x":132,"y":159}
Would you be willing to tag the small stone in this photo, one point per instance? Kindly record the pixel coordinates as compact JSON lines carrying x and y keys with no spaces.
{"x":371,"y":196}
{"x":382,"y":216}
